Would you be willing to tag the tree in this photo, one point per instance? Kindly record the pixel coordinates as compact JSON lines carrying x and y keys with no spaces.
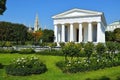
{"x":30,"y":36}
{"x":2,"y":6}
{"x":37,"y":35}
{"x":109,"y":36}
{"x":117,"y":34}
{"x":48,"y":35}
{"x":13,"y":32}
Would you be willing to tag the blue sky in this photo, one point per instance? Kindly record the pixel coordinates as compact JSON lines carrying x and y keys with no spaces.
{"x":24,"y":11}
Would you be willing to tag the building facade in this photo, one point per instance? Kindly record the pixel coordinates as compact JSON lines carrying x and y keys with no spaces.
{"x":78,"y":25}
{"x":113,"y":26}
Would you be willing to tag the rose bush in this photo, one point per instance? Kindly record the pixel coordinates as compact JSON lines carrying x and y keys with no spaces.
{"x":25,"y":66}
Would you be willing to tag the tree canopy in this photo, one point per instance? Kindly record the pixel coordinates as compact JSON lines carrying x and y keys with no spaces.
{"x":2,"y":6}
{"x":113,"y":36}
{"x":48,"y":35}
{"x":117,"y":34}
{"x":12,"y":32}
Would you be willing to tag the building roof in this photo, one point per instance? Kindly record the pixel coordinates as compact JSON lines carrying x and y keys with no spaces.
{"x":115,"y":23}
{"x":79,"y":13}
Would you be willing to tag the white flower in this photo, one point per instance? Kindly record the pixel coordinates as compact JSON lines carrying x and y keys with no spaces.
{"x":97,"y":60}
{"x":79,"y":62}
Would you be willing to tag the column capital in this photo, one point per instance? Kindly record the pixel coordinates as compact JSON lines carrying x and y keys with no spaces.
{"x":80,"y":23}
{"x":63,"y":24}
{"x":71,"y":23}
{"x":89,"y":22}
{"x":99,"y":22}
{"x":55,"y":24}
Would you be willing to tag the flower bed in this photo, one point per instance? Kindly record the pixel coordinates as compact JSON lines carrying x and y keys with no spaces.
{"x":83,"y":65}
{"x":25,"y":66}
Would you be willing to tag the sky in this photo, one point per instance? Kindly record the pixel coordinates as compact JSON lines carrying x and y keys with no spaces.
{"x":24,"y":11}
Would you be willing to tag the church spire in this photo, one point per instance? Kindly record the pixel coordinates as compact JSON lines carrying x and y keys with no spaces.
{"x":36,"y":24}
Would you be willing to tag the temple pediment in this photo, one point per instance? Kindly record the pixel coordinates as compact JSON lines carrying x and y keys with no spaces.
{"x":77,"y":13}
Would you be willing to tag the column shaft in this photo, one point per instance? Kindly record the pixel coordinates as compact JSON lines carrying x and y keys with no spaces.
{"x":55,"y":33}
{"x":71,"y":33}
{"x":63,"y":33}
{"x":80,"y":32}
{"x":89,"y":32}
{"x":98,"y":31}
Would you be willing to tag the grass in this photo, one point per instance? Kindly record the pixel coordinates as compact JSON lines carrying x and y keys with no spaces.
{"x":54,"y":73}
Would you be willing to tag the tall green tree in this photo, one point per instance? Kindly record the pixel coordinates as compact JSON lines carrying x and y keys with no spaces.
{"x":47,"y":35}
{"x":13,"y":32}
{"x":2,"y":6}
{"x":109,"y":36}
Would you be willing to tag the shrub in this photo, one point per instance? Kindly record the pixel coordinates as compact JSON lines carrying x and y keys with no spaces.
{"x":100,"y":49}
{"x":52,"y":52}
{"x":88,"y":48}
{"x":43,"y":44}
{"x":82,"y":65}
{"x":82,"y":53}
{"x":104,"y":78}
{"x":61,"y":65}
{"x":71,"y":49}
{"x":29,"y":43}
{"x":2,"y":43}
{"x":111,"y":47}
{"x":52,"y":44}
{"x":88,"y":79}
{"x":1,"y":66}
{"x":62,"y":44}
{"x":118,"y":78}
{"x":8,"y":44}
{"x":8,"y":51}
{"x":25,"y":66}
{"x":26,"y":51}
{"x":78,"y":64}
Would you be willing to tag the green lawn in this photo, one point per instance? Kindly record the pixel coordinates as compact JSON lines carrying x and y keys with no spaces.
{"x":54,"y":73}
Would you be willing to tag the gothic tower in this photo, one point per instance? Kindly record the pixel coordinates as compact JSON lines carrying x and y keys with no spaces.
{"x":36,"y":24}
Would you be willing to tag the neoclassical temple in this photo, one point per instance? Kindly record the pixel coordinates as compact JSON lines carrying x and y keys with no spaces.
{"x":78,"y":25}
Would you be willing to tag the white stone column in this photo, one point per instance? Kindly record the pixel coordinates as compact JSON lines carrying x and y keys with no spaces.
{"x":98,"y":31}
{"x":55,"y":33}
{"x":71,"y":33}
{"x":59,"y":34}
{"x":63,"y":33}
{"x":68,"y":34}
{"x":90,"y":32}
{"x":80,"y":32}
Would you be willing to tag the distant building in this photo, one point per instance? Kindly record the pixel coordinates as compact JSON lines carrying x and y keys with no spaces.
{"x":36,"y":25}
{"x":113,"y":26}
